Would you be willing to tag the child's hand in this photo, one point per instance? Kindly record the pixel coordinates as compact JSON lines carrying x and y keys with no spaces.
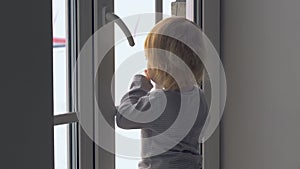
{"x":146,"y":74}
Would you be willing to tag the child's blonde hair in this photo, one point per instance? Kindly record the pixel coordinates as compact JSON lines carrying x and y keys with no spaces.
{"x":159,"y":40}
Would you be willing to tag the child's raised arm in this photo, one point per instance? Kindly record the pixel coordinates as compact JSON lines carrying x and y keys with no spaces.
{"x":134,"y":112}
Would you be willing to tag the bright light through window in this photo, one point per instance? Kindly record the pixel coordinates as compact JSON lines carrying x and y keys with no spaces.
{"x":60,"y":82}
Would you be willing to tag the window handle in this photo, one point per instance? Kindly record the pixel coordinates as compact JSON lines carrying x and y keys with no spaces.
{"x":66,"y":118}
{"x":115,"y":18}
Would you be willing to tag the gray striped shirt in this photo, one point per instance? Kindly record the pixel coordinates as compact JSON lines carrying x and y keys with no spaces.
{"x":170,"y":122}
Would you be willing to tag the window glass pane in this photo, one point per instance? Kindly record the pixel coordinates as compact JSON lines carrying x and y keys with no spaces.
{"x":132,"y":7}
{"x":122,"y":54}
{"x":59,"y":57}
{"x":61,"y":146}
{"x":60,"y":82}
{"x":171,"y":9}
{"x":167,"y":7}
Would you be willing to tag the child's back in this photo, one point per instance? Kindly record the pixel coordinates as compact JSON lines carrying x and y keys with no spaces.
{"x":171,"y":139}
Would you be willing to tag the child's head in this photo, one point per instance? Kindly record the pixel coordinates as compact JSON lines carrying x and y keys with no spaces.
{"x":161,"y":49}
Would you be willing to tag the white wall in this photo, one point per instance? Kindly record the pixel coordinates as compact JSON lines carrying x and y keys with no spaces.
{"x":261,"y":51}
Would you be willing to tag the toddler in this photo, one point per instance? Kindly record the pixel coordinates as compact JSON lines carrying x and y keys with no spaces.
{"x":172,"y":115}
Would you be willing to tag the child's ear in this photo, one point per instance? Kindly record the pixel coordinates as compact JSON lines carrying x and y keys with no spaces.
{"x":147,"y":74}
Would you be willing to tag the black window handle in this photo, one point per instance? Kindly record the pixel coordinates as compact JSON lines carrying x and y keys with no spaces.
{"x":115,"y":18}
